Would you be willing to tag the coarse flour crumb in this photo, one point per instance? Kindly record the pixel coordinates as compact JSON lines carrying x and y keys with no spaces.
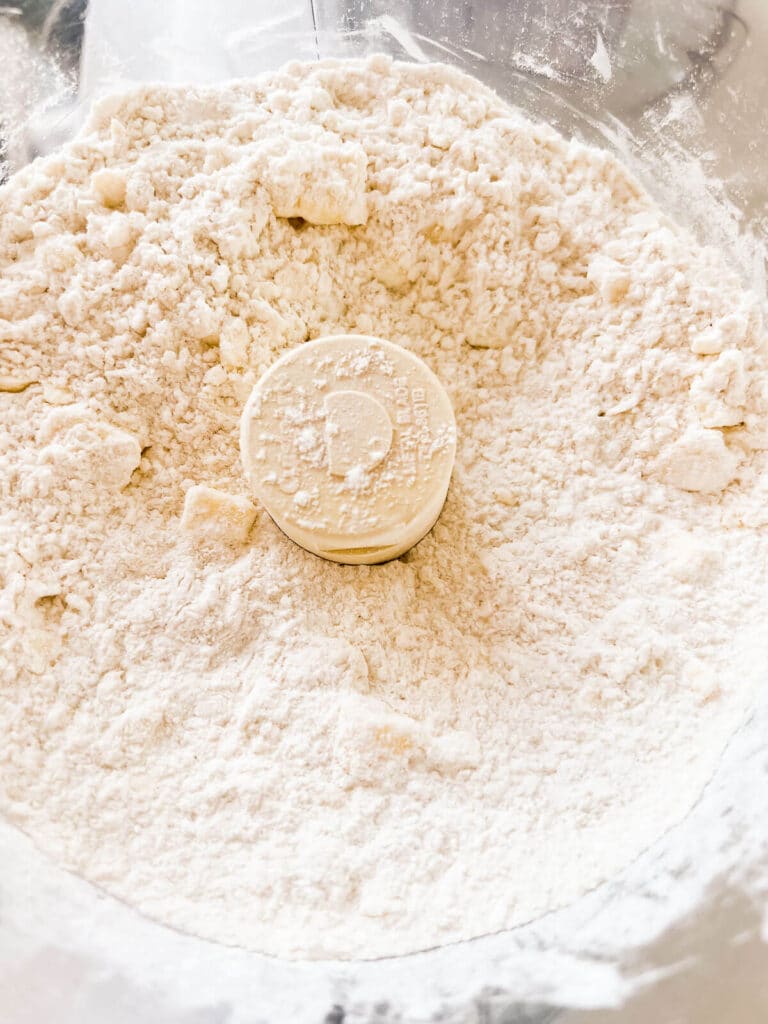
{"x":310,"y":759}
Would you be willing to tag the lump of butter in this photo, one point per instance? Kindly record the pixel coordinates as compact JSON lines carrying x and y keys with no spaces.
{"x":700,"y":461}
{"x":215,"y":515}
{"x":319,"y":179}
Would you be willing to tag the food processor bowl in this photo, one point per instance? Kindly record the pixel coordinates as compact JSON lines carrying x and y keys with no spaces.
{"x":679,"y":92}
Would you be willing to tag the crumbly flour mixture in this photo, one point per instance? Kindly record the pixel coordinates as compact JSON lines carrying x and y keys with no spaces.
{"x":313,"y":759}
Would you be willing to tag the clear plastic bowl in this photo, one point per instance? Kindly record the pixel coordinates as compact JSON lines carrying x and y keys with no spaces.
{"x":681,"y":93}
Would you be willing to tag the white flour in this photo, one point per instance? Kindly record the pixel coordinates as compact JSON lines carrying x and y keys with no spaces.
{"x":313,"y":759}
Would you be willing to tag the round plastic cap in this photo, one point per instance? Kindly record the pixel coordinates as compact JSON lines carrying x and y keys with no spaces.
{"x":349,"y":443}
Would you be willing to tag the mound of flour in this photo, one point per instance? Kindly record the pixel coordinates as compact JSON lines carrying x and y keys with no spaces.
{"x":311,"y":759}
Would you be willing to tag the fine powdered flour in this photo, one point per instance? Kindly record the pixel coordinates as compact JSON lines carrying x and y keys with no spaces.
{"x":306,"y":758}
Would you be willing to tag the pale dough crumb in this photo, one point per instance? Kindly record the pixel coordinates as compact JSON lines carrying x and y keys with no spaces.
{"x":110,"y":186}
